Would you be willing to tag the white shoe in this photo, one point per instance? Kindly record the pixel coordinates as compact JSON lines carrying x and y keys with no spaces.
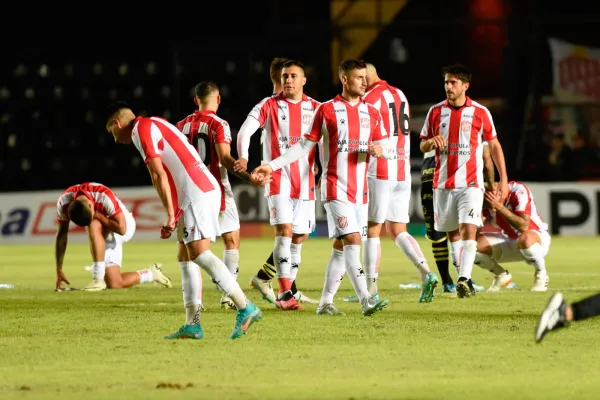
{"x":500,"y":282}
{"x":540,"y":281}
{"x":95,"y":286}
{"x":227,"y":303}
{"x":265,"y":288}
{"x":159,"y":276}
{"x":302,"y":298}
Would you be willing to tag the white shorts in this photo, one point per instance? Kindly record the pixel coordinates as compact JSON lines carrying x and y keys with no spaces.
{"x":113,"y":254}
{"x":506,"y":250}
{"x":299,"y":213}
{"x":229,"y":220}
{"x":200,"y":219}
{"x":452,"y":207}
{"x":389,"y":201}
{"x":344,"y":218}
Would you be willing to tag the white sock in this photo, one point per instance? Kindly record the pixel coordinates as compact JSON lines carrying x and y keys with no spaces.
{"x":336,"y":268}
{"x":371,"y":257}
{"x":146,"y":275}
{"x":98,"y":270}
{"x":191,"y":288}
{"x":281,"y":256}
{"x":535,"y":256}
{"x":192,"y":314}
{"x":455,"y":248}
{"x":355,"y":270}
{"x":467,"y":257}
{"x":216,"y":269}
{"x":487,"y":262}
{"x":411,"y":249}
{"x":231,"y":258}
{"x":296,"y":258}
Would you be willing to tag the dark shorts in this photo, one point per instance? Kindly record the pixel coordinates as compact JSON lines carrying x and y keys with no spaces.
{"x":427,"y":200}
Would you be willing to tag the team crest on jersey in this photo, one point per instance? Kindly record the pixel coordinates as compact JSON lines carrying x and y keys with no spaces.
{"x":306,"y":118}
{"x":365,"y":122}
{"x":465,"y":127}
{"x":342,"y":222}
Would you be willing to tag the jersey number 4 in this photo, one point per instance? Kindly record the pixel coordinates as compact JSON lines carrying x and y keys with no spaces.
{"x":399,"y":123}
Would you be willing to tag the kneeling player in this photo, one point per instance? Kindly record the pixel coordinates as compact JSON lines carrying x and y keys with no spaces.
{"x":109,"y":224}
{"x":524,"y":237}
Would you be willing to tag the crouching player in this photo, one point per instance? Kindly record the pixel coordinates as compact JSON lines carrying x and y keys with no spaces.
{"x":524,"y":237}
{"x":109,"y":224}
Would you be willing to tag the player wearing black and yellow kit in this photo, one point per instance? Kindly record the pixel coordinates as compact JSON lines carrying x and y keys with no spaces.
{"x":439,"y":240}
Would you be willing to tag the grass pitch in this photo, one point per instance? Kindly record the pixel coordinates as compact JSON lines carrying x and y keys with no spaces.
{"x":75,"y":345}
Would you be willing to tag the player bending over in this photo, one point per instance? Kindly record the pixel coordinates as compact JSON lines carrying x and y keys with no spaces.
{"x":109,"y":224}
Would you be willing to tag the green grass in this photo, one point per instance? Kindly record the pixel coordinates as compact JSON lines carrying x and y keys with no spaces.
{"x":75,"y":345}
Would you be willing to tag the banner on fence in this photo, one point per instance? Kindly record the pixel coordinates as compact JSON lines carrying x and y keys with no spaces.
{"x":29,"y":217}
{"x":575,"y":72}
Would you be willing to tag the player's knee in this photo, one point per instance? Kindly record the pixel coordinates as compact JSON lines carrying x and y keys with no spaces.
{"x":351,"y":239}
{"x":283,"y":230}
{"x":299,"y":238}
{"x":483,"y":245}
{"x":527,"y":239}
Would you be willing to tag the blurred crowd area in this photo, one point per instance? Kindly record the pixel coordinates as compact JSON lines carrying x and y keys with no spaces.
{"x":54,"y":90}
{"x":565,"y":146}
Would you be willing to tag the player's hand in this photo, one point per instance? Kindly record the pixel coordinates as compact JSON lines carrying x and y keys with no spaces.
{"x":315,"y":169}
{"x":260,"y":180}
{"x":240,"y":165}
{"x":438,"y":142}
{"x":493,"y":199}
{"x":262,"y":171}
{"x":60,"y":278}
{"x":502,"y":189}
{"x":376,"y":150}
{"x":168,"y":227}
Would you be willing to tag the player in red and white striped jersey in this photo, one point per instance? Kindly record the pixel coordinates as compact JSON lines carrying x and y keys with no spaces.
{"x":456,"y":129}
{"x":390,"y":187}
{"x":524,"y":236}
{"x":348,"y":131}
{"x":189,"y":191}
{"x":262,"y":279}
{"x":211,"y":136}
{"x":291,"y":193}
{"x":109,"y":224}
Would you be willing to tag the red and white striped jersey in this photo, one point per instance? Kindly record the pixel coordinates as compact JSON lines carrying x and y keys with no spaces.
{"x":347,"y":130}
{"x":519,"y":201}
{"x":460,"y":164}
{"x":395,"y":114}
{"x":204,"y":130}
{"x":284,"y":123}
{"x":105,"y":200}
{"x":156,"y":137}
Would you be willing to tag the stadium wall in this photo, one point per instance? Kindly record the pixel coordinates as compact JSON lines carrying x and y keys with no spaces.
{"x":29,"y":217}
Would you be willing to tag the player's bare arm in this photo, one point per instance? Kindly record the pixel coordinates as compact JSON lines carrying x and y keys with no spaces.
{"x":519,"y":222}
{"x":116,"y":223}
{"x":227,"y":160}
{"x":489,"y":174}
{"x":161,"y":184}
{"x":436,"y":142}
{"x":60,"y":248}
{"x":498,"y":158}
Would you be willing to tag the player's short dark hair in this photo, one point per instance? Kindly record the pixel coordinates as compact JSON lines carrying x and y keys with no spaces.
{"x":204,"y":89}
{"x":459,"y":71}
{"x":275,"y":68}
{"x":293,"y":63}
{"x":351,"y":64}
{"x":114,"y":108}
{"x":80,"y":213}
